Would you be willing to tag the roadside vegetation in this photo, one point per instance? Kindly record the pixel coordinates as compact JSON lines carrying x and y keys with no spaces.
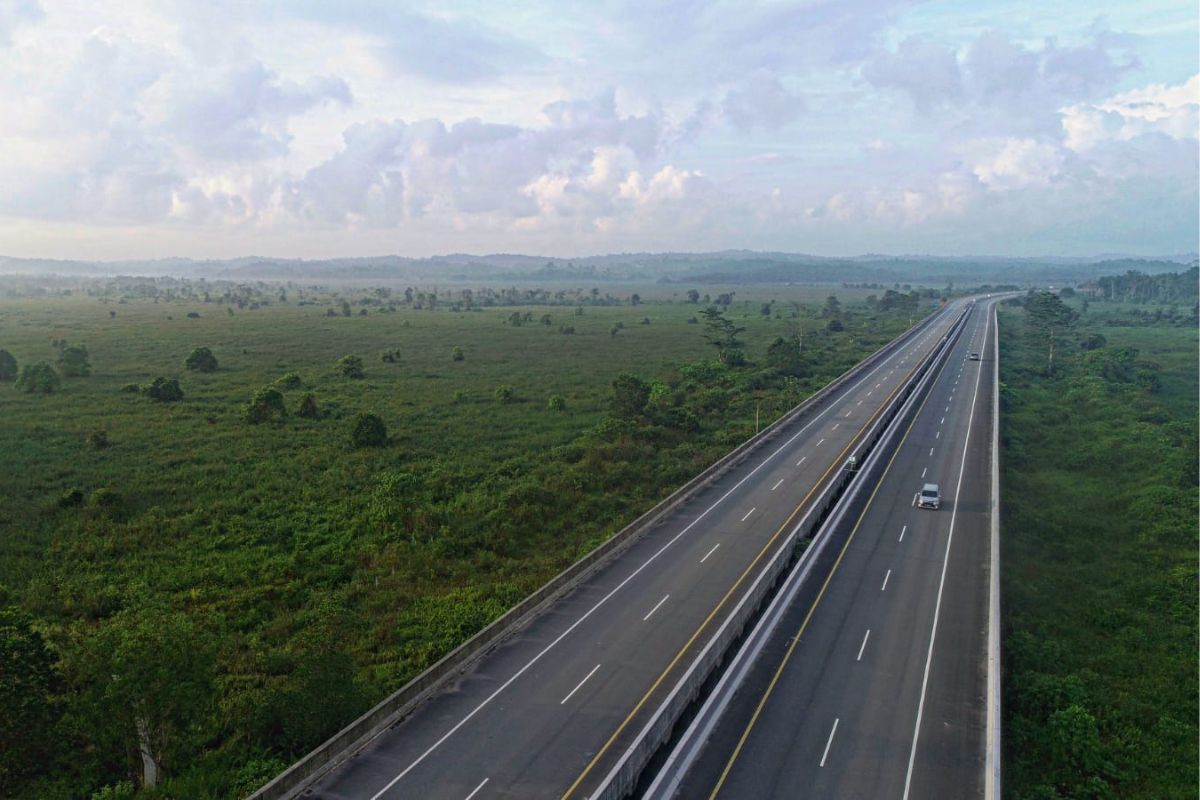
{"x":1099,"y":577}
{"x":235,"y":516}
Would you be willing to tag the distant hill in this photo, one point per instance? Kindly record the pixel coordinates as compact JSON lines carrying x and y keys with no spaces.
{"x":727,"y":266}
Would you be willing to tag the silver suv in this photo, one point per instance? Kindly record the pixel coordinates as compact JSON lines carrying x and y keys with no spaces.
{"x":930,"y":497}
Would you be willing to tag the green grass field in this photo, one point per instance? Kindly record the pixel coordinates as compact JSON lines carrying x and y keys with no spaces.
{"x":314,"y":577}
{"x":1099,"y":560}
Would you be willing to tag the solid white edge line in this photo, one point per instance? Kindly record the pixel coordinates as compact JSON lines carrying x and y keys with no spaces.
{"x":937,"y":607}
{"x":475,"y":791}
{"x":657,"y":606}
{"x":578,"y":686}
{"x":487,"y":700}
{"x":828,"y":742}
{"x":710,"y":552}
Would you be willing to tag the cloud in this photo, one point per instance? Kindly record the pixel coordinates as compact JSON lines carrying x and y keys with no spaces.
{"x":1168,"y":110}
{"x":761,"y":101}
{"x":14,"y":14}
{"x":1017,"y":163}
{"x":925,"y":71}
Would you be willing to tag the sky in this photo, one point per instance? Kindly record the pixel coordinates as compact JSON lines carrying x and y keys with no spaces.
{"x":223,"y":128}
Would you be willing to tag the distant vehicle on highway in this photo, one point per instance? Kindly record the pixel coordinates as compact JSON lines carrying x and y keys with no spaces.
{"x":930,"y":497}
{"x":974,"y":356}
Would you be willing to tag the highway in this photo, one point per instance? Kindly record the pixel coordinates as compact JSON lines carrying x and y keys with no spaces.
{"x":874,"y":683}
{"x":547,"y":712}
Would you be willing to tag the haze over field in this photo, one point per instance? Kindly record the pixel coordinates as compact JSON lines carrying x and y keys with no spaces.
{"x":143,"y":130}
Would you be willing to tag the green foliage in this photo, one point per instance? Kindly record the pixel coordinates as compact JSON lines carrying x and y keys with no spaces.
{"x":556,"y":403}
{"x":148,"y":674}
{"x":833,"y":306}
{"x":629,"y":396}
{"x":291,"y":380}
{"x":1138,"y":287}
{"x":266,"y":404}
{"x":201,"y":360}
{"x":73,"y":360}
{"x":1047,"y":321}
{"x":351,"y":367}
{"x":71,"y":498}
{"x":98,"y":440}
{"x":29,"y":686}
{"x":457,"y":354}
{"x":106,"y":498}
{"x":785,"y":356}
{"x":8,"y":366}
{"x":368,"y":430}
{"x":131,"y":388}
{"x":163,"y":390}
{"x":1100,"y":508}
{"x":38,"y":378}
{"x":308,"y":407}
{"x":722,"y":334}
{"x":835,"y":326}
{"x":505,"y":393}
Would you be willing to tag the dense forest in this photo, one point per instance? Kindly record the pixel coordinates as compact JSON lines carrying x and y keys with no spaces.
{"x":1099,"y":542}
{"x":1138,"y":287}
{"x":236,"y":514}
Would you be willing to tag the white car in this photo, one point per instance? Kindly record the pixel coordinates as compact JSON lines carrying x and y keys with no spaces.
{"x":930,"y":497}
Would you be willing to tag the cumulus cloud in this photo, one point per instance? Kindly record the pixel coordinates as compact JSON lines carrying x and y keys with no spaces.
{"x":761,"y":101}
{"x":1016,"y":163}
{"x":927,"y":72}
{"x":1168,"y":110}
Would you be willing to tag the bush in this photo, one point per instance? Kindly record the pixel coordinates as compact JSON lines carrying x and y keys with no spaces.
{"x":308,"y":408}
{"x":457,"y":354}
{"x":71,"y":498}
{"x":290,"y":381}
{"x":131,"y":388}
{"x":8,"y":366}
{"x":73,"y":360}
{"x":368,"y":430}
{"x":266,"y":404}
{"x":193,"y":315}
{"x":98,"y":439}
{"x":556,"y":403}
{"x":506,"y":394}
{"x":164,"y":390}
{"x":390,"y":356}
{"x":201,"y":360}
{"x":105,"y":497}
{"x":351,"y":367}
{"x":39,"y":378}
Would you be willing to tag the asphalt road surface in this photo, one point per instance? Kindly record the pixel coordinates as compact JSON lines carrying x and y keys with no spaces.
{"x":874,"y":686}
{"x":546,"y":713}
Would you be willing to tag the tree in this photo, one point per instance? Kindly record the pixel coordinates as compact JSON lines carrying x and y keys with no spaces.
{"x":1047,"y":320}
{"x":833,"y":306}
{"x":28,"y":685}
{"x":784,"y":355}
{"x":630,"y":395}
{"x":457,"y":354}
{"x":506,"y":394}
{"x":73,"y":360}
{"x":368,"y":430}
{"x":266,"y":404}
{"x":693,"y":296}
{"x":634,"y":299}
{"x":351,"y":367}
{"x":345,"y":308}
{"x":164,"y":390}
{"x":201,"y":360}
{"x":722,"y":334}
{"x":8,"y":366}
{"x":556,"y":403}
{"x":835,"y":326}
{"x":39,"y":378}
{"x":308,"y":407}
{"x":146,"y":687}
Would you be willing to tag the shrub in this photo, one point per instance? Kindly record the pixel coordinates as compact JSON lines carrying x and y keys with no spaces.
{"x":266,"y":404}
{"x":506,"y":394}
{"x":98,"y":439}
{"x":308,"y":407}
{"x":457,"y":354}
{"x":390,"y":356}
{"x":39,"y":378}
{"x":201,"y":360}
{"x":368,"y":430}
{"x":835,"y":326}
{"x":193,"y":315}
{"x":556,"y":403}
{"x":351,"y":367}
{"x":8,"y":366}
{"x":164,"y":390}
{"x":290,"y":381}
{"x":131,"y":388}
{"x":459,"y":396}
{"x":73,"y":360}
{"x":71,"y":498}
{"x":567,"y":330}
{"x":105,"y":497}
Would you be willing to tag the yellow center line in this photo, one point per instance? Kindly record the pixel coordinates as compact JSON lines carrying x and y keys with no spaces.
{"x":691,"y":640}
{"x":804,"y":624}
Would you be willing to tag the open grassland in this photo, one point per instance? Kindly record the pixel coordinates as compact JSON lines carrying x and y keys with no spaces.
{"x":309,"y":578}
{"x":1099,"y":557}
